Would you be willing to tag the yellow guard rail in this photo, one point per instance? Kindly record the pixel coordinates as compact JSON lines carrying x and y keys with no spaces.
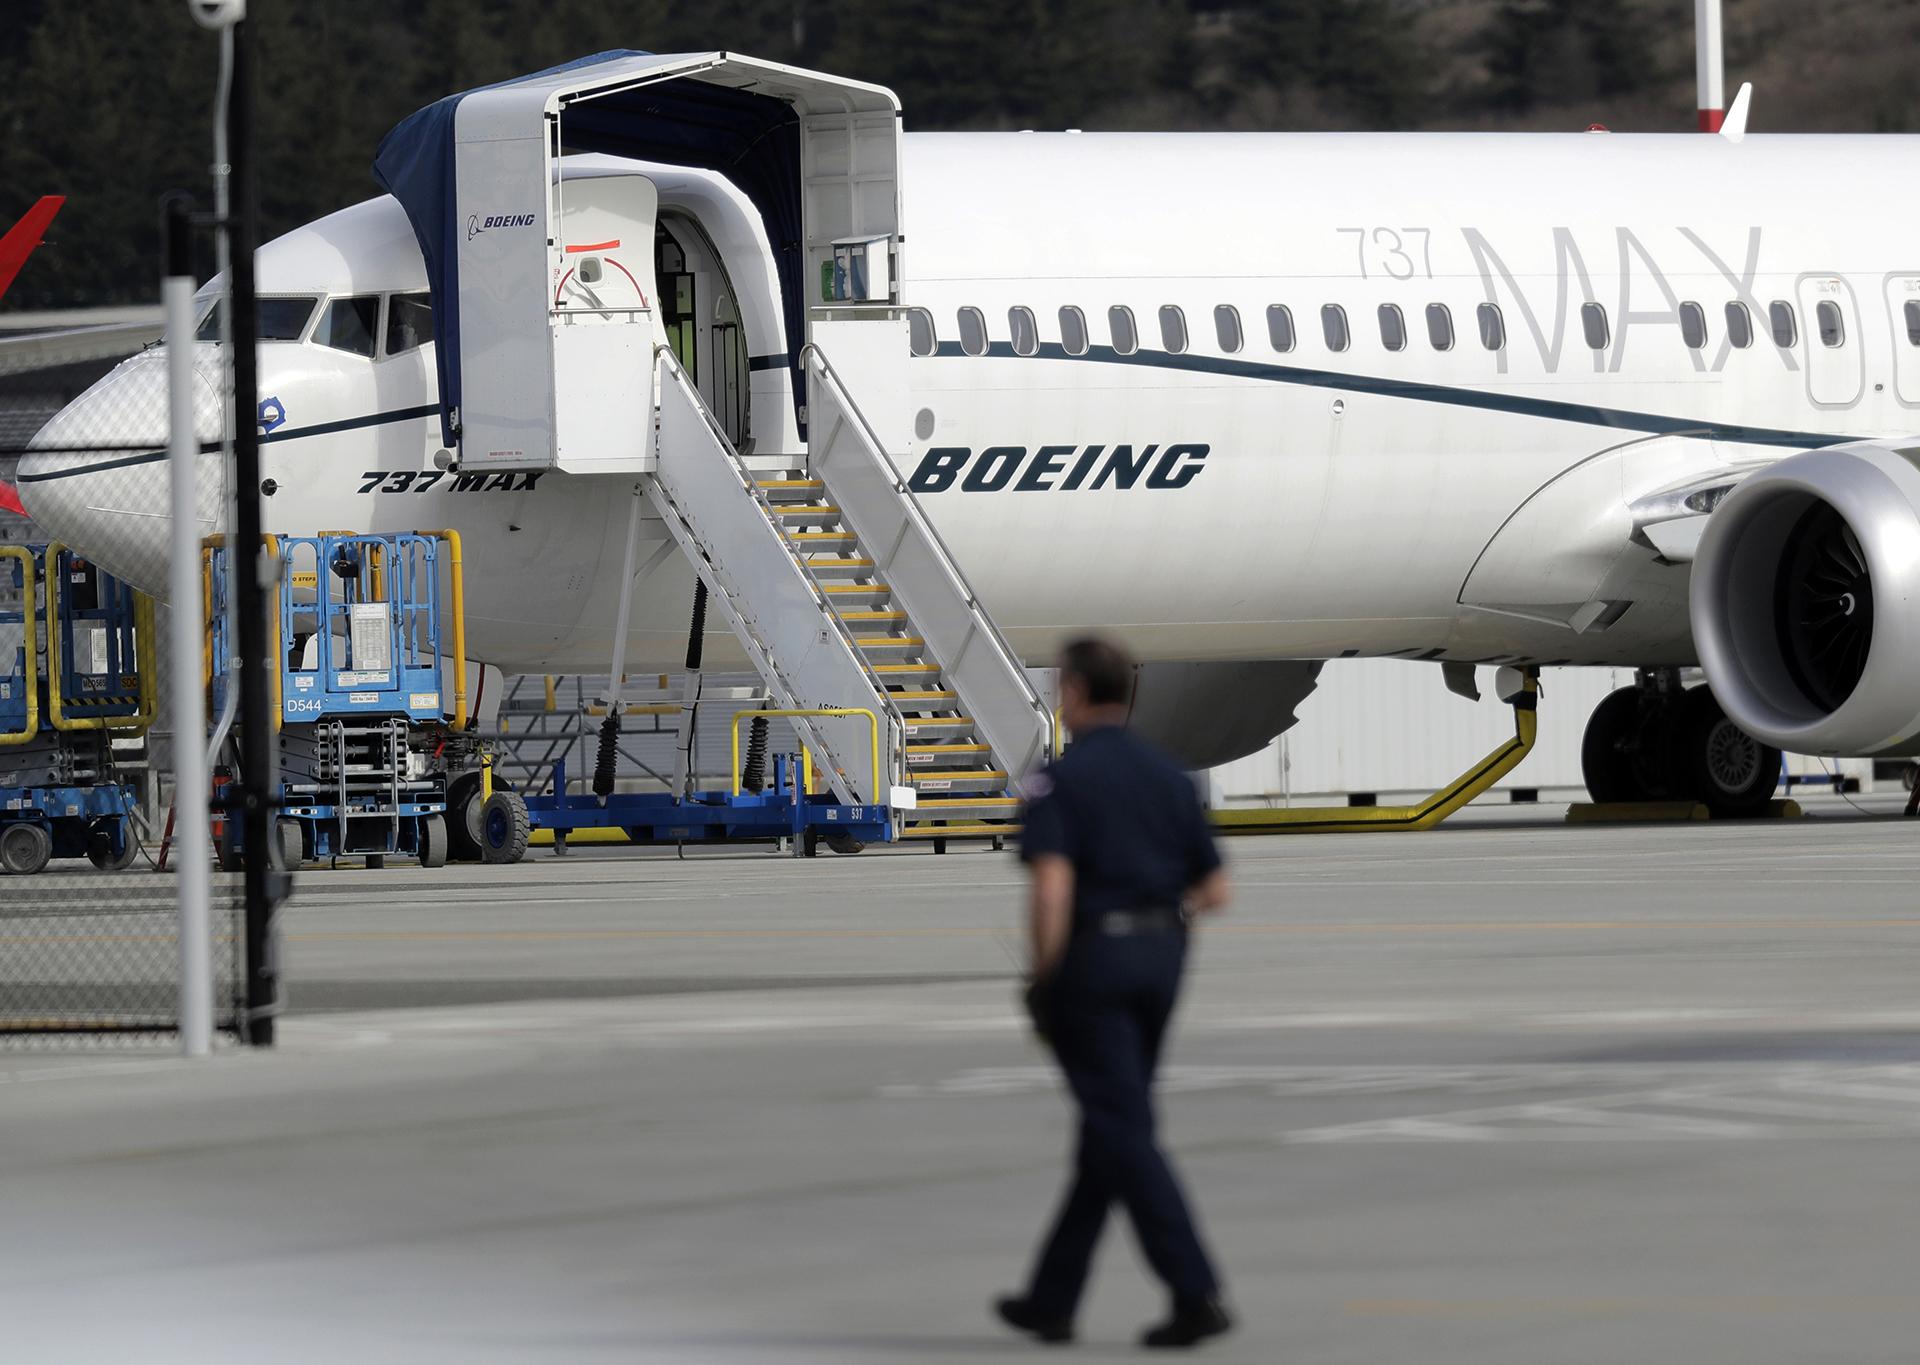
{"x":32,"y":644}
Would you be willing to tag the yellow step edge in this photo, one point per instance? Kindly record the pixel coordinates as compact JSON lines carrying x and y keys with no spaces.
{"x":849,"y":588}
{"x":873,"y":615}
{"x":904,"y":668}
{"x":820,"y":535}
{"x":807,"y":510}
{"x":838,"y":562}
{"x":925,"y":694}
{"x":939,"y":720}
{"x":967,"y":831}
{"x":789,"y":483}
{"x":945,"y":748}
{"x":888,"y":641}
{"x":956,"y":775}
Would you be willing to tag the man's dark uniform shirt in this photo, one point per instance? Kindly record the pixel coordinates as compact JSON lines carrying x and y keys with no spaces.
{"x":1132,"y":826}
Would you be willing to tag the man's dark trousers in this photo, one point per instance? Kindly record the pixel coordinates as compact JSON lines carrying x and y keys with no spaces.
{"x":1106,"y":1012}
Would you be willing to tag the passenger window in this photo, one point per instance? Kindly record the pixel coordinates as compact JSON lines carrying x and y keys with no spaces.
{"x":1739,"y":325}
{"x":409,"y":322}
{"x":1226,"y":328}
{"x":1073,"y":330}
{"x":973,"y":331}
{"x":1280,"y":326}
{"x":1832,"y":331}
{"x":1913,"y":322}
{"x":1593,"y":321}
{"x":1786,"y":331}
{"x":350,"y":324}
{"x":1440,"y":327}
{"x":1493,"y":327}
{"x":1333,"y":325}
{"x":1120,"y":322}
{"x":920,"y":335}
{"x":1393,"y":327}
{"x":1026,"y":332}
{"x":1173,"y":329}
{"x":1693,"y":325}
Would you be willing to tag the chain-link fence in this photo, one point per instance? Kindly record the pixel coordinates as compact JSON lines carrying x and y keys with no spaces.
{"x":89,"y":945}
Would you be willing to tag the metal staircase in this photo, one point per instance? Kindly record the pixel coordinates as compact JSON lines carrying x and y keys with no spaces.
{"x":844,"y":596}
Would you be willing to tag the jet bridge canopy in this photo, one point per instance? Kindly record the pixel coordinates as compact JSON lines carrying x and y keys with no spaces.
{"x":818,"y":156}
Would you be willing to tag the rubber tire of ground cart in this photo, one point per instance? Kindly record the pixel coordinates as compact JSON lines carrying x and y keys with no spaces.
{"x":504,"y":828}
{"x":25,"y":848}
{"x":433,"y":837}
{"x":289,"y":845}
{"x":100,"y":845}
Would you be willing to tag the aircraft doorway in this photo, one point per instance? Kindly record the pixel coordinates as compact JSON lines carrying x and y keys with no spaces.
{"x":700,"y":317}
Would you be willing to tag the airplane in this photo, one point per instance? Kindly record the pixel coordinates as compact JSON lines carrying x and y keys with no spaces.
{"x":21,"y":241}
{"x":25,"y":237}
{"x":1248,"y":401}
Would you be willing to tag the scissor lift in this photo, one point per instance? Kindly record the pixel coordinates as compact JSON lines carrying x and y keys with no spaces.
{"x":368,"y":627}
{"x":76,"y":671}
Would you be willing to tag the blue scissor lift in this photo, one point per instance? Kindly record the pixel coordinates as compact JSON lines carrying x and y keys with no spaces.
{"x":76,"y":671}
{"x":369,"y":736}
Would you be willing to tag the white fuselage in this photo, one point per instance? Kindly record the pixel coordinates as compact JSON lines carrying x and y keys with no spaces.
{"x":1324,"y":501}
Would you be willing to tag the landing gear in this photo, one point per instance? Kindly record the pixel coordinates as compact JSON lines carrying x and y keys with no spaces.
{"x":1656,"y":741}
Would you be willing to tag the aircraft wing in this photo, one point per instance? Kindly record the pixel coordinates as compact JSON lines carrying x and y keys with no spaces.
{"x":72,"y":345}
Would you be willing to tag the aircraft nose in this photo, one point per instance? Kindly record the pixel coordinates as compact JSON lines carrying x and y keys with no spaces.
{"x":95,"y":477}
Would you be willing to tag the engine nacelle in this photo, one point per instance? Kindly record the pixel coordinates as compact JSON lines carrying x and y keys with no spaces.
{"x":1805,"y":601}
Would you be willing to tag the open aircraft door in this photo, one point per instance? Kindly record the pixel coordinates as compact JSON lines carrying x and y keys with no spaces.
{"x":534,"y":373}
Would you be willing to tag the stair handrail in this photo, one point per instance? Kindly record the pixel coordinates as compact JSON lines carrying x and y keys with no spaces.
{"x":811,"y":354}
{"x":896,"y":721}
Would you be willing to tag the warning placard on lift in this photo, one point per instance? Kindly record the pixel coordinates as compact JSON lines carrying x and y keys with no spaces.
{"x":370,"y":639}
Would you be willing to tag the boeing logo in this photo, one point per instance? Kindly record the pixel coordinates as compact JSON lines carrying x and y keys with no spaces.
{"x":477,"y":225}
{"x":1062,"y":469}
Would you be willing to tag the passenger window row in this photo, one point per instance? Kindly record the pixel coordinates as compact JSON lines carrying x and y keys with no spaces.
{"x":1123,"y":332}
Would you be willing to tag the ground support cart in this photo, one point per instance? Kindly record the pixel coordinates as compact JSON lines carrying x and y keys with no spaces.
{"x":370,"y":736}
{"x":76,"y":670}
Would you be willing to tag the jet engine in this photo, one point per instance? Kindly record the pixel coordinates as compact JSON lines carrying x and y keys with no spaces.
{"x":1805,"y":601}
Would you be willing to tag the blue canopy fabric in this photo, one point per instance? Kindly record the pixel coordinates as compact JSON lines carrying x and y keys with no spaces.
{"x":754,"y":140}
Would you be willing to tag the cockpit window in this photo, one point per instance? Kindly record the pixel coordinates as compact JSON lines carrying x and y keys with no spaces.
{"x":409,"y":322}
{"x":277,"y":319}
{"x":350,"y":324}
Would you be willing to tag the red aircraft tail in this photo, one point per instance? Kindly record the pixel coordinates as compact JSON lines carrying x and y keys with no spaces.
{"x":25,"y":235}
{"x":10,"y":500}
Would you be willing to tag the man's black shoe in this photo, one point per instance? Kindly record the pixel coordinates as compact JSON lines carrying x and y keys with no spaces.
{"x":1022,"y":1315}
{"x":1193,"y":1321}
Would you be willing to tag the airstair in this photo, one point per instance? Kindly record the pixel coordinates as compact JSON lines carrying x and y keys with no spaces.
{"x":846,"y":599}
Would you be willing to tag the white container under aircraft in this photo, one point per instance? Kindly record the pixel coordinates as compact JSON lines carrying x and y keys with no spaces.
{"x":1246,"y":401}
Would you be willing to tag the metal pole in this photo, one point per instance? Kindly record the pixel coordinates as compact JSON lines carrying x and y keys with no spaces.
{"x":1708,"y":64}
{"x":253,"y":574}
{"x":185,"y":638}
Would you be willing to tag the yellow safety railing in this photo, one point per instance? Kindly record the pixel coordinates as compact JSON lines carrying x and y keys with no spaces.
{"x":32,"y":644}
{"x":1351,"y":819}
{"x":806,"y":757}
{"x":457,"y":574}
{"x":145,"y":662}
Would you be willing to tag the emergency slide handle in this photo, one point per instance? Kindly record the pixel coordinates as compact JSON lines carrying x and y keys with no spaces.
{"x":806,"y":754}
{"x":145,"y":661}
{"x":31,"y":645}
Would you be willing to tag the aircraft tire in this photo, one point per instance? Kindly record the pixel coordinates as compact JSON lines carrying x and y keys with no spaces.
{"x":1717,"y":762}
{"x":1626,"y":752}
{"x":463,"y":818}
{"x":504,"y":828}
{"x":25,"y":848}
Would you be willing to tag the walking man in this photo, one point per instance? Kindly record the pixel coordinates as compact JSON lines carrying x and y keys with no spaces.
{"x":1120,"y":857}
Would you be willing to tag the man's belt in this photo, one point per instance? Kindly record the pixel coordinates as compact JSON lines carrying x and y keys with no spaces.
{"x":1121,"y":923}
